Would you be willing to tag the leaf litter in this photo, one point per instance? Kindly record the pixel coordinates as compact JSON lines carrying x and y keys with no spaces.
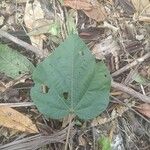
{"x":11,"y":118}
{"x":127,"y":23}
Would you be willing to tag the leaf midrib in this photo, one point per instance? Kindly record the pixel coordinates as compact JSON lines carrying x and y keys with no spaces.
{"x":81,"y":99}
{"x":61,"y":76}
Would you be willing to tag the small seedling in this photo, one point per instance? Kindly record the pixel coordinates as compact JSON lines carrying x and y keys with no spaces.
{"x":104,"y":143}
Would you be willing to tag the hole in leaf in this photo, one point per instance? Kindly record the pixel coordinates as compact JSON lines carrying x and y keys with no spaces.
{"x":65,"y":95}
{"x":81,"y":53}
{"x":44,"y":88}
{"x":9,"y":114}
{"x":96,"y":60}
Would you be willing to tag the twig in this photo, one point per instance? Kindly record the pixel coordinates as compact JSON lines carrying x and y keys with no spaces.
{"x":17,"y":80}
{"x":68,"y":132}
{"x":21,"y":43}
{"x":22,"y":104}
{"x":36,"y":141}
{"x":130,"y":91}
{"x":134,"y":63}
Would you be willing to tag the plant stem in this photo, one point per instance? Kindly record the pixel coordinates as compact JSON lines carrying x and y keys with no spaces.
{"x":68,"y":132}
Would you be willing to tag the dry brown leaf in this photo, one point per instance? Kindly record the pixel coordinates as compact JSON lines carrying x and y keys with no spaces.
{"x":111,"y":2}
{"x":117,"y":112}
{"x":99,"y":121}
{"x":11,"y":118}
{"x":105,"y":47}
{"x":32,"y":14}
{"x":144,"y":109}
{"x":141,"y":5}
{"x":2,"y":87}
{"x":33,"y":18}
{"x":78,"y":4}
{"x":82,"y":140}
{"x":143,"y":10}
{"x":97,"y":12}
{"x":93,"y":10}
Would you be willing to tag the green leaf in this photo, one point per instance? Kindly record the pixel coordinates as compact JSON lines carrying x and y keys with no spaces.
{"x":54,"y":28}
{"x":140,"y":79}
{"x":104,"y":143}
{"x":71,"y":26}
{"x":74,"y":83}
{"x":12,"y":63}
